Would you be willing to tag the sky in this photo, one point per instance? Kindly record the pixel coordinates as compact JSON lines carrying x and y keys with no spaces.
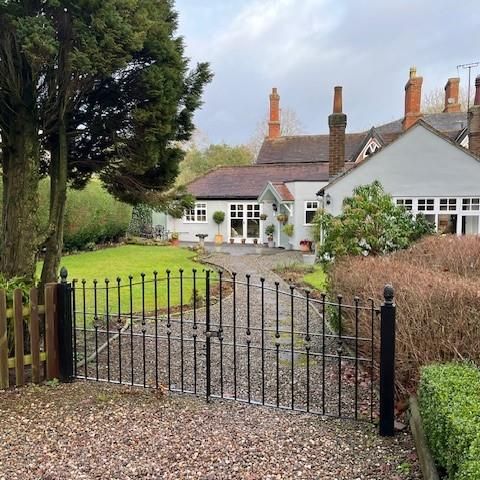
{"x":306,"y":47}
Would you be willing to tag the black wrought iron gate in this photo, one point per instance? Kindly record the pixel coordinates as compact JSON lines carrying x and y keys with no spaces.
{"x":240,"y":338}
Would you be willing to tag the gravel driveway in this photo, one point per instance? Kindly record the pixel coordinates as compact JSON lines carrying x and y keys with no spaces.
{"x":90,"y":431}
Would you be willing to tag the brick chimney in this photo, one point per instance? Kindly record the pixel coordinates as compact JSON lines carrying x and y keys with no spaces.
{"x":452,"y":90}
{"x":474,"y":121}
{"x":274,"y":123}
{"x":413,"y":99}
{"x":337,"y":122}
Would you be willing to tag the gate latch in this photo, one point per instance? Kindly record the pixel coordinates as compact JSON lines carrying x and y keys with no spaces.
{"x":213,"y":333}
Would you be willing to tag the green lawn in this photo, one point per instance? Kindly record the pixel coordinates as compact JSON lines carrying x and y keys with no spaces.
{"x":121,"y":262}
{"x":316,"y":279}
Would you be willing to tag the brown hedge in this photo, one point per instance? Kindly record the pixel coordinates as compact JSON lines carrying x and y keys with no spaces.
{"x":437,"y":291}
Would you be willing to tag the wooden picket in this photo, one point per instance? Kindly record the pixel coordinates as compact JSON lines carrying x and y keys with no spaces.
{"x":13,"y":320}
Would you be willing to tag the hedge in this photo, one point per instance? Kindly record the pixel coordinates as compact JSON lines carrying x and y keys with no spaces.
{"x":92,"y":215}
{"x":449,"y":399}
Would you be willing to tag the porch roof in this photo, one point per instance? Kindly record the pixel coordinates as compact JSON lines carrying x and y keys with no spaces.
{"x":279,"y":191}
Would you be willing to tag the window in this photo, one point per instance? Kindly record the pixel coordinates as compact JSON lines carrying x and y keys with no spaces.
{"x":406,"y":203}
{"x":448,"y":204}
{"x":426,"y":204}
{"x":310,"y":211}
{"x":197,"y":214}
{"x":471,"y":204}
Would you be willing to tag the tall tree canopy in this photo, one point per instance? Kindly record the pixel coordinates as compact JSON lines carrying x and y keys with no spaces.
{"x":108,"y":92}
{"x":198,"y":161}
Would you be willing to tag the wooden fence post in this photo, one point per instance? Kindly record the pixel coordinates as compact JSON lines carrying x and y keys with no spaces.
{"x":19,"y":337}
{"x":35,"y":335}
{"x":4,"y":380}
{"x":51,"y":334}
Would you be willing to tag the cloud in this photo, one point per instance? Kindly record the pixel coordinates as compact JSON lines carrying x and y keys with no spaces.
{"x":306,"y":47}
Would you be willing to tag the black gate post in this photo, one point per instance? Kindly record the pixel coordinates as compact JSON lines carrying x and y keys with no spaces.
{"x":64,"y":318}
{"x":207,"y":334}
{"x":387,"y":363}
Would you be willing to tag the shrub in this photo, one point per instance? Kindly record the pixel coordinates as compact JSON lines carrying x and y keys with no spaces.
{"x":93,"y":216}
{"x":449,"y":398}
{"x":270,"y":230}
{"x":218,"y":218}
{"x":438,"y":314}
{"x":370,"y":224}
{"x":288,"y":229}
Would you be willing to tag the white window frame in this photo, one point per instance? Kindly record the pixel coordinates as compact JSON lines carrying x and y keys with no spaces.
{"x":306,"y":209}
{"x":256,"y":211}
{"x":193,"y":215}
{"x":444,"y":205}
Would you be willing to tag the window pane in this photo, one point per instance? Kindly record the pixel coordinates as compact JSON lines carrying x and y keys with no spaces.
{"x":309,"y":216}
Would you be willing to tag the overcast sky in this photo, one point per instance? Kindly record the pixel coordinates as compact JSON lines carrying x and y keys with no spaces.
{"x":306,"y":47}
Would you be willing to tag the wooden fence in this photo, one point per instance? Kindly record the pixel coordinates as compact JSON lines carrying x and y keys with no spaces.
{"x":33,"y":328}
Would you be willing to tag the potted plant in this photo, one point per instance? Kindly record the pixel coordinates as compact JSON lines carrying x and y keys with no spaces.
{"x":306,"y":245}
{"x":289,"y":229}
{"x":282,"y":218}
{"x":174,"y":239}
{"x":218,"y":218}
{"x":263,"y":216}
{"x":232,"y":241}
{"x":269,"y":231}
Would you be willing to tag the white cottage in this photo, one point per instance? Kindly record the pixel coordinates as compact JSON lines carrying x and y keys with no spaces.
{"x":420,"y":159}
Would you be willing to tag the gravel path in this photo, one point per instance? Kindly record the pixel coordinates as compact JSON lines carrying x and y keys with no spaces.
{"x":91,"y":431}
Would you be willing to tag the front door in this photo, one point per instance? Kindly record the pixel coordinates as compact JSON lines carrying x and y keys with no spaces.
{"x":245,"y":221}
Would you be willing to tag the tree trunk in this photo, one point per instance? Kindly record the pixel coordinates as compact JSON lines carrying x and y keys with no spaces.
{"x":19,"y":232}
{"x":58,"y":197}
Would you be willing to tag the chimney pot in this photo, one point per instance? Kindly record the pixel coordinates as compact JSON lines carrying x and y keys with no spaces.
{"x":337,"y":100}
{"x":477,"y":91}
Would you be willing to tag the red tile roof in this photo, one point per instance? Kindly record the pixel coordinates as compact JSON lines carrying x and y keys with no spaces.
{"x":284,"y":192}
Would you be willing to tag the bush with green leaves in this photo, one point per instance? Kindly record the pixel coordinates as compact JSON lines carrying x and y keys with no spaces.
{"x":449,"y":398}
{"x":93,"y":215}
{"x":218,"y":218}
{"x":370,"y":224}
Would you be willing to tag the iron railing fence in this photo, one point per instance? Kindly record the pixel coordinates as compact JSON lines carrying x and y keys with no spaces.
{"x":238,"y":337}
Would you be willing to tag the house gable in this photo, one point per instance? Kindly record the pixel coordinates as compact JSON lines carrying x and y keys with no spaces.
{"x":421,"y":162}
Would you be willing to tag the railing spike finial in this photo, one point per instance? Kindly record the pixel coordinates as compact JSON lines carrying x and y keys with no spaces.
{"x":388,"y":293}
{"x":63,"y":275}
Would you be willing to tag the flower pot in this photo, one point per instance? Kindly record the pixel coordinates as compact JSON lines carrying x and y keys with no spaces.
{"x":232,"y":240}
{"x":244,"y":240}
{"x":175,"y":242}
{"x":218,"y":239}
{"x":305,"y":248}
{"x":271,"y":244}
